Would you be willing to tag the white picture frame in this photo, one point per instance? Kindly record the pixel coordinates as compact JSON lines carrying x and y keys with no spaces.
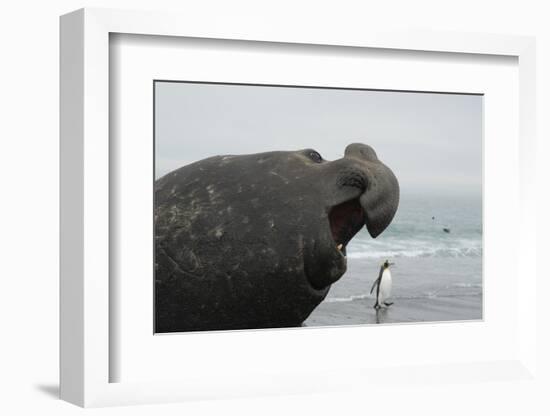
{"x":85,"y":214}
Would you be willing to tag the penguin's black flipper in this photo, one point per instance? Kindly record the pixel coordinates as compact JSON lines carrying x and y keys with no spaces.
{"x":377,"y":281}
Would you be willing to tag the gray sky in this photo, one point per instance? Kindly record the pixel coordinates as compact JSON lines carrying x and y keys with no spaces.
{"x":432,"y":142}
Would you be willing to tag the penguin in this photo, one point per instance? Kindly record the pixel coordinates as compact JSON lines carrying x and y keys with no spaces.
{"x":383,"y":286}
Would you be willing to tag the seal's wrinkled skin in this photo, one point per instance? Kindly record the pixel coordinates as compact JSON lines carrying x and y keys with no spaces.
{"x":255,"y":241}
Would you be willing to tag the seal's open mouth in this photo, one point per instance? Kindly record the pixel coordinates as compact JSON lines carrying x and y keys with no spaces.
{"x":346,"y":219}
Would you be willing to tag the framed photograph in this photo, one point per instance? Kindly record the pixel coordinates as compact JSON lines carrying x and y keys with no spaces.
{"x":249,"y":237}
{"x":237,"y":207}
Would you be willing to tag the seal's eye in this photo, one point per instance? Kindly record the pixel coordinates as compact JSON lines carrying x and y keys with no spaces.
{"x":316,"y":157}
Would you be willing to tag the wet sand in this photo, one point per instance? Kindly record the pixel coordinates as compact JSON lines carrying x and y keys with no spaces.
{"x":360,"y":311}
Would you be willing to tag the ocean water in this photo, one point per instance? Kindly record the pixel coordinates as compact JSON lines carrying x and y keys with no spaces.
{"x":436,"y":276}
{"x":417,"y":230}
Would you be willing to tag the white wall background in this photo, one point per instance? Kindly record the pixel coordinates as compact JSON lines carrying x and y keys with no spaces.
{"x":29,"y":207}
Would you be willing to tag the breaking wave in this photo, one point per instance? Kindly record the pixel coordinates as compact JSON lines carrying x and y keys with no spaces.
{"x":415,"y":245}
{"x":419,"y":252}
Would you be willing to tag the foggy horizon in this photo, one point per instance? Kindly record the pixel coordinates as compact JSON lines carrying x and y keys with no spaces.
{"x":431,"y":141}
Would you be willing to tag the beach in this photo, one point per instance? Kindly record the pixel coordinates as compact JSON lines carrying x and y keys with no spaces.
{"x":361,"y":312}
{"x":437,"y":275}
{"x":424,"y":290}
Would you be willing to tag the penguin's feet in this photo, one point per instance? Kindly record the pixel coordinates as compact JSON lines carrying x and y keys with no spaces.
{"x":388,"y":303}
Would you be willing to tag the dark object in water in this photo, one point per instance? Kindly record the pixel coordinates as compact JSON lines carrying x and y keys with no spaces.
{"x":433,"y":218}
{"x":447,"y":230}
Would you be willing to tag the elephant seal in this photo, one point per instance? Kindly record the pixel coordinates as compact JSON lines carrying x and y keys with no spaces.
{"x":255,"y":241}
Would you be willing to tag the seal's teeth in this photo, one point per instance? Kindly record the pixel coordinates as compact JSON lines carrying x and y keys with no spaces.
{"x":339,"y":247}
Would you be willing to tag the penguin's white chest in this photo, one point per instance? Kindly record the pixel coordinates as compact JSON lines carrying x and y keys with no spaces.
{"x":385,"y":286}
